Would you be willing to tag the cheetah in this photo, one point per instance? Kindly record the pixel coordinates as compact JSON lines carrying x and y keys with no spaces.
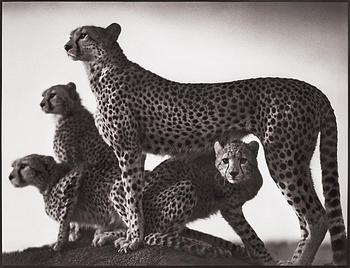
{"x":181,"y":190}
{"x":71,"y":196}
{"x":237,"y":165}
{"x":76,"y":138}
{"x":176,"y":192}
{"x":140,"y":112}
{"x":212,"y":191}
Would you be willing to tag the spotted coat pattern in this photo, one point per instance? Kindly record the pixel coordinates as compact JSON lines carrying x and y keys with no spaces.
{"x":76,"y":137}
{"x":73,"y":197}
{"x":177,"y":191}
{"x":139,"y":111}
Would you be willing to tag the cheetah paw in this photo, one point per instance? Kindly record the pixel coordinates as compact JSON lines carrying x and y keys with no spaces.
{"x":225,"y":253}
{"x":100,"y":240}
{"x":217,"y":252}
{"x":123,"y":245}
{"x":74,"y":236}
{"x":58,"y":246}
{"x":284,"y":263}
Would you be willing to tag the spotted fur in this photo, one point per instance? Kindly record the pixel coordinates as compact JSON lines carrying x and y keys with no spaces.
{"x":177,"y":191}
{"x":210,"y":195}
{"x":139,"y":111}
{"x":76,"y":137}
{"x":73,"y":197}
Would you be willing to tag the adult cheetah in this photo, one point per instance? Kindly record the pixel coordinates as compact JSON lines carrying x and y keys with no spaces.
{"x":139,"y":111}
{"x":176,"y":192}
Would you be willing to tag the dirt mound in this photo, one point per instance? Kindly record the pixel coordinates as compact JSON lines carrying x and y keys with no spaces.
{"x":83,"y":254}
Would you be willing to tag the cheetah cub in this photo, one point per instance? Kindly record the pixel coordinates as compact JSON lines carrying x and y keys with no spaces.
{"x":237,"y":164}
{"x":71,"y":196}
{"x":76,"y":137}
{"x":193,"y":188}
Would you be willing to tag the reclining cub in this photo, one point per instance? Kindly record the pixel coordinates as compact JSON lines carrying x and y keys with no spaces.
{"x":176,"y":192}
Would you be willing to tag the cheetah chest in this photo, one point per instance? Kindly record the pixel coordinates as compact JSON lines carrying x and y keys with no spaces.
{"x":101,"y":126}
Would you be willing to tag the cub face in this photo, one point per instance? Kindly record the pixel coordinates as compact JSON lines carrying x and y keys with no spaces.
{"x":60,"y":99}
{"x":89,"y":43}
{"x":32,"y":170}
{"x":235,"y":159}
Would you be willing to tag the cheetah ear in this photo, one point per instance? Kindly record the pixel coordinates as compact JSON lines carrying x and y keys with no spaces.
{"x":217,"y":147}
{"x":72,"y":91}
{"x":114,"y":30}
{"x":254,"y":146}
{"x":49,"y":161}
{"x":71,"y":85}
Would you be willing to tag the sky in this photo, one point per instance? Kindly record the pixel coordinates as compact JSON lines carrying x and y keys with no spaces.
{"x":185,"y":42}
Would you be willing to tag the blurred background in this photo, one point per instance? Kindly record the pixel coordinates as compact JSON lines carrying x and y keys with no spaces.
{"x":186,"y":42}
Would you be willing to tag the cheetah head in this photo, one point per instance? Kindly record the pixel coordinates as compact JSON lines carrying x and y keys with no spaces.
{"x":32,"y":170}
{"x":60,"y":99}
{"x":89,"y":43}
{"x":236,"y":159}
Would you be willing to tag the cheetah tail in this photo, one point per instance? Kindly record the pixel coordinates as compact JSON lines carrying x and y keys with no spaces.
{"x":329,"y":166}
{"x":185,"y":244}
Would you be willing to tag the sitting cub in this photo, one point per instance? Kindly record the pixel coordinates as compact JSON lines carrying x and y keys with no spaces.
{"x":70,"y":195}
{"x":76,"y":137}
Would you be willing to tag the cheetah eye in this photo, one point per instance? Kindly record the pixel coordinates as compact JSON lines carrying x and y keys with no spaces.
{"x":83,"y":35}
{"x":52,"y":95}
{"x":243,"y":160}
{"x":22,"y":166}
{"x":225,"y":160}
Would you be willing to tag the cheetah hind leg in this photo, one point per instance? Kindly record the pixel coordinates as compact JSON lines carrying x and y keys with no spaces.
{"x":189,"y":245}
{"x":180,"y":201}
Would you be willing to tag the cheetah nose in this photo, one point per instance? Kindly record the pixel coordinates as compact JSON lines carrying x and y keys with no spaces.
{"x":67,"y":47}
{"x":234,"y":174}
{"x":11,"y":177}
{"x":42,"y":104}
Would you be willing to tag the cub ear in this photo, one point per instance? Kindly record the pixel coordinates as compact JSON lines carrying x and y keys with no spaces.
{"x":49,"y":161}
{"x":217,"y":147}
{"x":254,"y":146}
{"x":113,"y":31}
{"x":72,"y":91}
{"x":71,"y":85}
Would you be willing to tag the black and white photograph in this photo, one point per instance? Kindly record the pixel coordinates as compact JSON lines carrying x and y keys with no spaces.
{"x":175,"y":133}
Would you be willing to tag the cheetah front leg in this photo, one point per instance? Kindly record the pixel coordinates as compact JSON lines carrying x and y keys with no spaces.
{"x":131,"y":164}
{"x":64,"y":220}
{"x":253,"y":244}
{"x":66,"y":209}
